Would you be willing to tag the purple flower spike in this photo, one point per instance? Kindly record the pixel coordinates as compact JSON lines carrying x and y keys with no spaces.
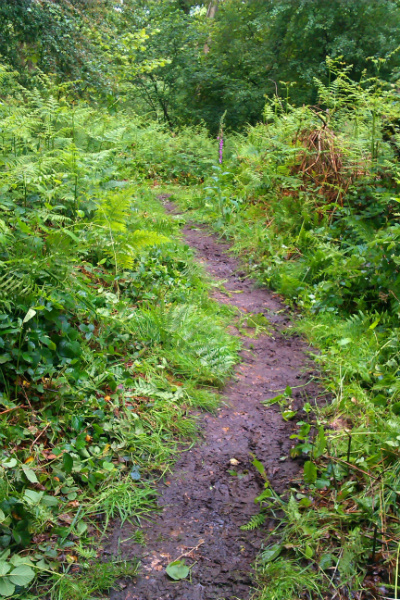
{"x":221,"y":148}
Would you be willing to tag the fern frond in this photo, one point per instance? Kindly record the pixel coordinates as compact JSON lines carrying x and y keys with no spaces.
{"x":142,"y":238}
{"x":193,"y":342}
{"x":255,"y":522}
{"x":113,"y":211}
{"x":16,"y":287}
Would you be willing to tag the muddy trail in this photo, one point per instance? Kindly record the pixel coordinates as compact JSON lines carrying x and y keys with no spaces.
{"x":202,"y":505}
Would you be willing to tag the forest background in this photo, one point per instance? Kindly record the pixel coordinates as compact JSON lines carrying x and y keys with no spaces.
{"x":103,"y":105}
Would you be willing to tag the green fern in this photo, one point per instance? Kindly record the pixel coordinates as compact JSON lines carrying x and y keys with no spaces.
{"x":15,"y":287}
{"x":113,"y":215}
{"x":193,"y":342}
{"x":255,"y":522}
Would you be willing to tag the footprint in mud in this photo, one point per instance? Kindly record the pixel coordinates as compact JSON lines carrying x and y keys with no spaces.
{"x":203,"y":504}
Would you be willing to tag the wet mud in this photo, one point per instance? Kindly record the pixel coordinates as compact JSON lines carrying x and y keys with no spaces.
{"x":202,"y":504}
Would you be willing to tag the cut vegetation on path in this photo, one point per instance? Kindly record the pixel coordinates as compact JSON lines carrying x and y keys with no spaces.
{"x":208,"y":514}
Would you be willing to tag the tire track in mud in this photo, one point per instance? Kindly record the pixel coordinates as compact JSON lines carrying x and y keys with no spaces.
{"x":202,"y":505}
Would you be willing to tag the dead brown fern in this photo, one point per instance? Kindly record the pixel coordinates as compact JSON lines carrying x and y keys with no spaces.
{"x":322,"y":165}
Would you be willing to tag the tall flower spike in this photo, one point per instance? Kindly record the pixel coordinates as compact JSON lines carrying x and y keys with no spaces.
{"x":221,"y":147}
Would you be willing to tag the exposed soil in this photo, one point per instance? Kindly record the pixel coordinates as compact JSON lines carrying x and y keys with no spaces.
{"x":202,"y":504}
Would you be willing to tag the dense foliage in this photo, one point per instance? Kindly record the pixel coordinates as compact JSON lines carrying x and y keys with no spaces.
{"x":107,"y":334}
{"x":255,"y":48}
{"x":106,"y":330}
{"x":171,"y":61}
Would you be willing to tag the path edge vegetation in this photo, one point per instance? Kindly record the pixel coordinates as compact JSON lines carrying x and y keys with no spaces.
{"x":309,"y":199}
{"x":108,"y":335}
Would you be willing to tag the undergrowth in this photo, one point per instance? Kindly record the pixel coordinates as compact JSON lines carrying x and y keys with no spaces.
{"x":107,"y":335}
{"x":310,"y":197}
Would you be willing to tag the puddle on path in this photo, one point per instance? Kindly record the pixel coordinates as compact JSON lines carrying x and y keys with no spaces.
{"x":202,"y":505}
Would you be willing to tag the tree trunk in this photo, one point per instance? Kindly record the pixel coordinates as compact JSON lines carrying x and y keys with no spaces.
{"x":212,"y":8}
{"x":211,"y":12}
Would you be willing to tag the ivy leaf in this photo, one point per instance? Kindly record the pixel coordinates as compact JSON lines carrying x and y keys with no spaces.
{"x":177,"y":570}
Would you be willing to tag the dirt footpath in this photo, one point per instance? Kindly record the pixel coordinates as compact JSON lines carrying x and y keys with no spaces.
{"x":202,"y":504}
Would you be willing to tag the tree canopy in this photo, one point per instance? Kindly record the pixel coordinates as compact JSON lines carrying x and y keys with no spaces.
{"x":187,"y":64}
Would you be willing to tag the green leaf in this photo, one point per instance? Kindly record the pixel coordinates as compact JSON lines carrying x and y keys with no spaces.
{"x":177,"y":570}
{"x":4,"y":568}
{"x":305,"y":502}
{"x":5,"y":358}
{"x":260,"y":467}
{"x":71,"y":235}
{"x":273,"y":400}
{"x":6,"y":587}
{"x":108,"y":466}
{"x":24,"y":227}
{"x":320,"y":443}
{"x":81,"y":527}
{"x":288,"y":414}
{"x":68,"y":463}
{"x":293,"y":510}
{"x":33,"y":497}
{"x":308,"y":552}
{"x":30,"y":474}
{"x":22,"y":575}
{"x":29,"y":315}
{"x":77,"y":423}
{"x":49,"y":501}
{"x":17,"y":560}
{"x":48,"y":342}
{"x":310,"y":472}
{"x":271,"y":552}
{"x":320,"y":484}
{"x":10,"y":463}
{"x":374,"y":324}
{"x":396,"y":408}
{"x":2,"y":516}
